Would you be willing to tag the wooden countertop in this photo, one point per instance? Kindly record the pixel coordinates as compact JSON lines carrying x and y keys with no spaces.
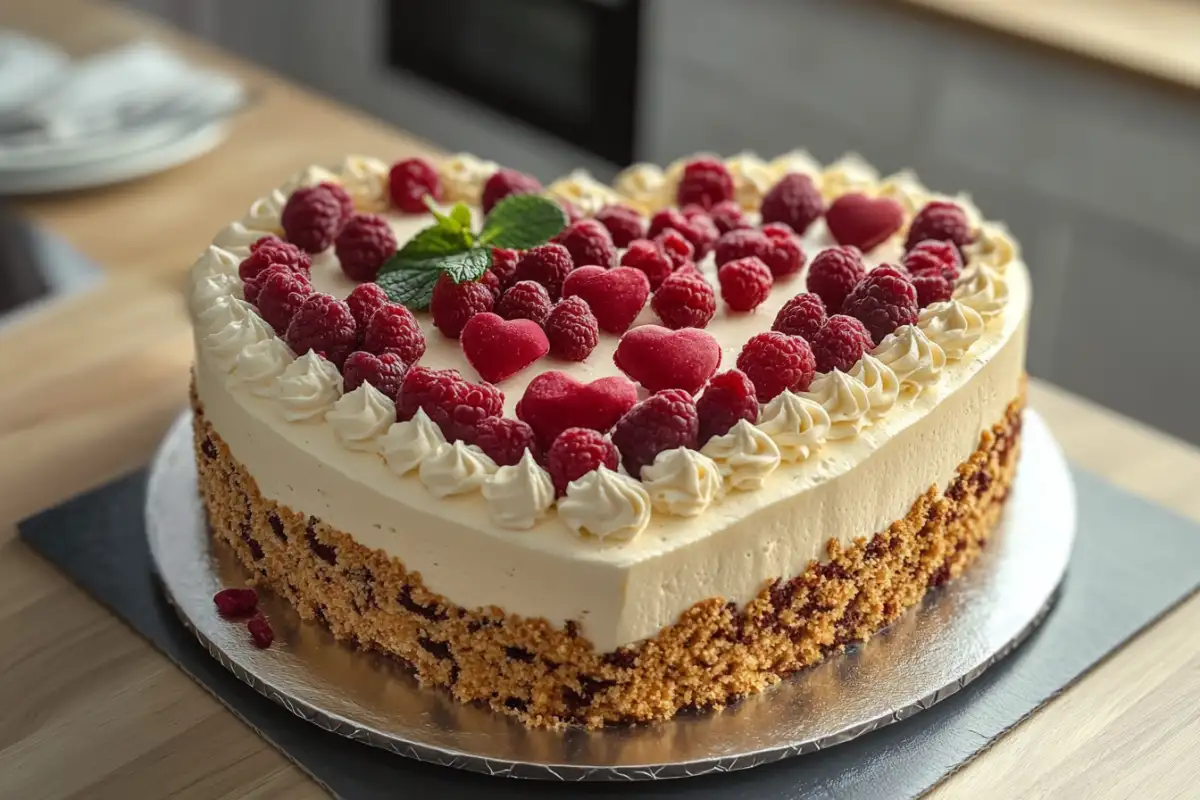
{"x":101,"y":377}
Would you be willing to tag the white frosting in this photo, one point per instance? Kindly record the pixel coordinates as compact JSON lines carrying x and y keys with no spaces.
{"x":915,"y":360}
{"x":644,"y":185}
{"x":906,"y":189}
{"x":745,"y":455}
{"x":206,"y":290}
{"x":682,"y":482}
{"x":983,"y":289}
{"x":308,"y":388}
{"x":214,"y":261}
{"x":455,"y":468}
{"x":883,"y":387}
{"x":361,"y":416}
{"x":994,"y":247}
{"x":408,"y":443}
{"x":265,"y":212}
{"x":797,"y":425}
{"x":463,"y":176}
{"x":519,"y":495}
{"x":584,"y":191}
{"x":365,"y":179}
{"x":752,"y":178}
{"x":800,"y":161}
{"x":606,"y":505}
{"x":952,"y":326}
{"x":850,"y":173}
{"x":309,"y":176}
{"x":845,"y":399}
{"x":242,"y":328}
{"x":220,"y":312}
{"x":237,"y":238}
{"x":260,"y":365}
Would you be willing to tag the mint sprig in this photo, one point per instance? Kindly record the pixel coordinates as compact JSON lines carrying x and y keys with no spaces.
{"x":522,"y":221}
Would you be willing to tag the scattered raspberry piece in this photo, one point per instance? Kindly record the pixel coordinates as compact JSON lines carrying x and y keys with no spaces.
{"x":685,"y":300}
{"x":363,"y":245}
{"x":883,"y":301}
{"x":572,"y":329}
{"x":504,"y":265}
{"x":676,"y":247}
{"x":283,"y":292}
{"x":260,"y":631}
{"x":774,"y":361}
{"x":803,"y":315}
{"x":941,"y":221}
{"x":236,"y":602}
{"x":325,"y":325}
{"x":795,"y":200}
{"x":312,"y":218}
{"x":385,"y":372}
{"x":834,"y":274}
{"x":705,"y":182}
{"x":394,"y":328}
{"x":662,"y":421}
{"x":492,"y":282}
{"x":505,"y":440}
{"x":840,"y":343}
{"x":575,"y":453}
{"x":745,"y":283}
{"x":728,"y":398}
{"x":409,"y":181}
{"x":453,"y":304}
{"x":507,"y":182}
{"x":345,"y":201}
{"x":784,"y":255}
{"x":525,"y":300}
{"x":741,"y":243}
{"x":932,"y":288}
{"x":364,"y":300}
{"x":939,"y":258}
{"x":547,"y":264}
{"x":589,"y":243}
{"x":728,"y":216}
{"x":648,"y":257}
{"x":453,"y":403}
{"x":623,"y":223}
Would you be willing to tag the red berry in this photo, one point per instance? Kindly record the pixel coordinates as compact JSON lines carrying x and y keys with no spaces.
{"x":864,"y":222}
{"x":741,"y":243}
{"x":547,"y":264}
{"x":623,"y":224}
{"x":312,"y":218}
{"x":572,"y":329}
{"x":932,"y":288}
{"x":729,"y":397}
{"x":795,"y":200}
{"x":774,"y":362}
{"x":589,"y":243}
{"x":745,"y":283}
{"x":345,"y":201}
{"x":662,"y":421}
{"x":647,"y":256}
{"x":784,"y":254}
{"x":363,"y":245}
{"x":283,"y":292}
{"x":525,"y":300}
{"x":834,"y":274}
{"x":698,"y":230}
{"x":572,"y":211}
{"x":941,"y":221}
{"x":930,"y":256}
{"x":702,"y":233}
{"x":269,"y":251}
{"x":883,"y":301}
{"x":684,"y":300}
{"x":492,"y":282}
{"x":666,"y":219}
{"x":325,"y":325}
{"x":498,"y":348}
{"x":840,"y":343}
{"x":803,"y":315}
{"x":453,"y":403}
{"x":236,"y":602}
{"x":505,"y":440}
{"x":453,"y":304}
{"x":728,"y":216}
{"x":394,"y":328}
{"x":616,"y":296}
{"x":504,"y":264}
{"x":705,"y":182}
{"x":554,"y":401}
{"x":364,"y":300}
{"x":676,"y":247}
{"x":507,"y":182}
{"x":260,"y":631}
{"x":575,"y":453}
{"x":385,"y":372}
{"x":409,"y":181}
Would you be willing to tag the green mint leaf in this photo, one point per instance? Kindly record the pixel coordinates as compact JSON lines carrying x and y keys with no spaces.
{"x":433,"y":243}
{"x":462,"y":215}
{"x":459,"y":218}
{"x":522,"y":221}
{"x":410,"y":287}
{"x":468,"y":266}
{"x":410,"y":282}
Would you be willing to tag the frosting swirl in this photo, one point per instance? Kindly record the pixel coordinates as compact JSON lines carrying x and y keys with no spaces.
{"x":952,"y":326}
{"x":906,"y":189}
{"x":752,"y":179}
{"x":408,"y":443}
{"x":237,"y":238}
{"x":365,"y":179}
{"x":260,"y":365}
{"x":520,"y":495}
{"x":682,"y":482}
{"x":983,"y":289}
{"x":642,"y":184}
{"x":265,"y":213}
{"x":214,"y":261}
{"x":883,"y":387}
{"x":745,"y":455}
{"x":915,"y":360}
{"x":463,"y":176}
{"x":993,"y":247}
{"x":243,"y":328}
{"x":359,"y":417}
{"x":207,"y":289}
{"x":850,"y":173}
{"x":223,"y":310}
{"x":309,"y":176}
{"x":796,"y":424}
{"x":585,"y":192}
{"x":455,"y":468}
{"x":605,"y":504}
{"x":845,"y":399}
{"x":800,"y":161}
{"x":308,"y":388}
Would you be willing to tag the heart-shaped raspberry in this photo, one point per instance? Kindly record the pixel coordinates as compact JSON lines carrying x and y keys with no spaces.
{"x":616,"y":296}
{"x":659,"y":358}
{"x":499,"y":348}
{"x":554,"y":401}
{"x":862,"y":221}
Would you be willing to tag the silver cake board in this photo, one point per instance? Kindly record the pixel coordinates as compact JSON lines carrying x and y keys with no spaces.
{"x":1110,"y":593}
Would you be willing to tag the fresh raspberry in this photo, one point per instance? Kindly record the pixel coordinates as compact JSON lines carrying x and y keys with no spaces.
{"x":525,"y":300}
{"x":252,"y":286}
{"x":930,"y":256}
{"x":803,"y":315}
{"x":453,"y":403}
{"x":345,"y":201}
{"x":616,"y":296}
{"x":505,"y":440}
{"x":547,"y":264}
{"x":623,"y":223}
{"x":840,"y":343}
{"x":728,"y":398}
{"x":728,"y":216}
{"x":795,"y":200}
{"x":575,"y":453}
{"x":324,"y":325}
{"x":684,"y":301}
{"x":385,"y":372}
{"x":236,"y":602}
{"x":364,"y":300}
{"x":504,"y":264}
{"x":589,"y":243}
{"x":260,"y":631}
{"x":572,"y":329}
{"x":741,"y":243}
{"x":932,"y":288}
{"x":507,"y":182}
{"x":492,"y":282}
{"x":883,"y":301}
{"x":774,"y":361}
{"x":834,"y":274}
{"x":394,"y":328}
{"x":784,"y":255}
{"x":269,"y":252}
{"x":705,"y":182}
{"x":662,"y":421}
{"x":745,"y":283}
{"x":363,"y":245}
{"x":312,"y":218}
{"x":452,"y":304}
{"x":266,"y":241}
{"x":647,"y":256}
{"x":574,"y":213}
{"x":666,"y":219}
{"x":698,"y":230}
{"x":941,"y":221}
{"x":409,"y":181}
{"x":675,"y":246}
{"x":283,"y":292}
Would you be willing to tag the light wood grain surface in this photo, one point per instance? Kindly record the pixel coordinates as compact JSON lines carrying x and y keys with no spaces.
{"x":89,"y":710}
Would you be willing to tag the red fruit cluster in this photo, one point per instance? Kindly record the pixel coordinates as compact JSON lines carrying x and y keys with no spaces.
{"x":833,"y":275}
{"x":393,"y":328}
{"x":572,"y":329}
{"x":589,"y":243}
{"x":410,"y":181}
{"x":840,"y":343}
{"x":364,"y":300}
{"x":547,"y":264}
{"x":745,"y":283}
{"x":803,"y":315}
{"x":883,"y":301}
{"x":364,"y":244}
{"x":663,"y":421}
{"x":774,"y":361}
{"x":693,"y":224}
{"x":384,"y":371}
{"x":267,"y":252}
{"x":623,"y":224}
{"x":453,"y":304}
{"x":312,"y":217}
{"x":525,"y":300}
{"x":775,"y":245}
{"x":504,"y":265}
{"x":575,"y":453}
{"x":941,"y":221}
{"x":505,"y":440}
{"x":685,"y":300}
{"x":453,"y":403}
{"x":675,"y":246}
{"x":794,"y":201}
{"x":705,"y":182}
{"x":729,"y":397}
{"x":728,"y":216}
{"x":281,"y":293}
{"x":646,"y":255}
{"x":933,"y":257}
{"x":324,"y":325}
